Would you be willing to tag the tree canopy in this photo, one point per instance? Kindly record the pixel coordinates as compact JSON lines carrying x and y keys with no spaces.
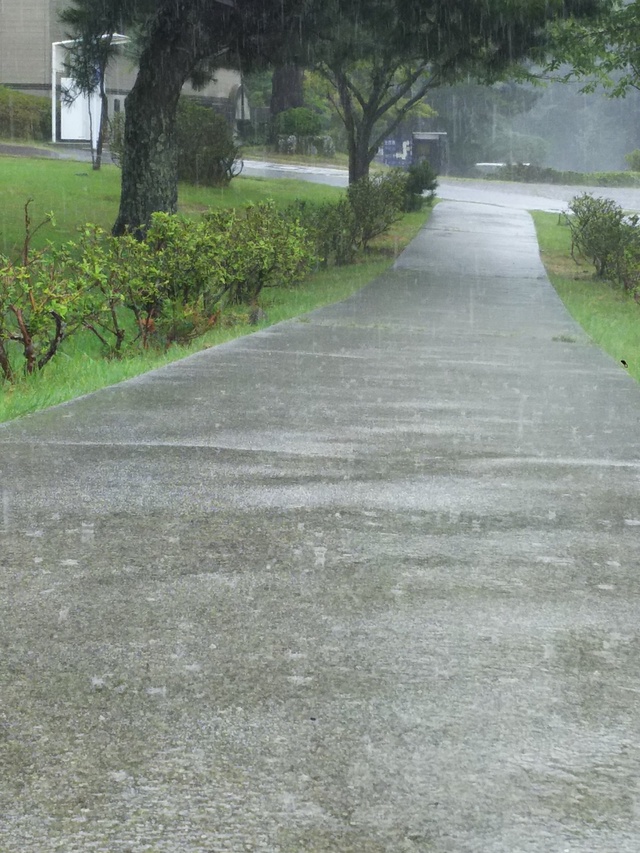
{"x":606,"y":49}
{"x":407,"y":47}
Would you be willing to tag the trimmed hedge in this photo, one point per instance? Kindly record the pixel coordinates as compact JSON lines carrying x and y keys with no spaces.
{"x":24,"y":116}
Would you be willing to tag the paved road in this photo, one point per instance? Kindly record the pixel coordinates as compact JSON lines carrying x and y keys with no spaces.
{"x":366,"y":582}
{"x":499,"y":193}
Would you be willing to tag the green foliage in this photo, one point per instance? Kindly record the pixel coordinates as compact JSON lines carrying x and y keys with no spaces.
{"x":24,"y":116}
{"x":164,"y":289}
{"x":608,"y":315}
{"x":40,"y":305}
{"x":376,"y":204}
{"x":421,"y":178}
{"x":299,"y":121}
{"x":340,"y":229}
{"x":596,"y":230}
{"x":332,"y":227}
{"x":603,"y":52}
{"x":207,"y":153}
{"x":602,"y":234}
{"x":532,"y":174}
{"x":633,"y":160}
{"x":115,"y":137}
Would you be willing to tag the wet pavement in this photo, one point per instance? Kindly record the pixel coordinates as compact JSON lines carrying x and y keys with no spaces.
{"x":548,"y":197}
{"x":364,"y":582}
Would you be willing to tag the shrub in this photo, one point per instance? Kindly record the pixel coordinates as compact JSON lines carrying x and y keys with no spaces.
{"x":596,"y":230}
{"x":24,"y":116}
{"x":41,"y":305}
{"x":207,"y":153}
{"x":524,"y":173}
{"x":331,"y":227}
{"x":420,"y":177}
{"x":633,"y":160}
{"x":377,"y":203}
{"x":115,"y":137}
{"x":299,"y":121}
{"x":263,"y":248}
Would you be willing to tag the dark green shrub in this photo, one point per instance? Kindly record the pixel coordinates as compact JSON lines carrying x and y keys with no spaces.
{"x":377,"y":203}
{"x":24,"y":116}
{"x":596,"y":230}
{"x":262,"y":248}
{"x":633,"y":160}
{"x":115,"y":138}
{"x":332,"y":229}
{"x":420,"y":178}
{"x":207,"y":153}
{"x":299,"y":121}
{"x":532,"y":174}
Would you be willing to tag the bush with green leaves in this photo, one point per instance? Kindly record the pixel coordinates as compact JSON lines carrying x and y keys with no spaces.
{"x":524,"y":173}
{"x":377,"y":203}
{"x":633,"y":160}
{"x":609,"y":239}
{"x":207,"y":152}
{"x":24,"y":116}
{"x":115,"y":137}
{"x":298,"y":121}
{"x":597,"y":231}
{"x":421,"y":178}
{"x":331,"y":227}
{"x":41,"y":305}
{"x":168,"y":287}
{"x":263,"y":248}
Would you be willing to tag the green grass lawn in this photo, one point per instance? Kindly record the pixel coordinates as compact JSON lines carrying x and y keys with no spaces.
{"x":610,"y":316}
{"x":77,"y":195}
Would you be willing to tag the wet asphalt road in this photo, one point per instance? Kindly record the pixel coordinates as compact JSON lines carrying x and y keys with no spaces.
{"x":365,"y":582}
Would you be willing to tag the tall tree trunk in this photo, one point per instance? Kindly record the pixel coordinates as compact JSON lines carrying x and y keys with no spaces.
{"x":149,"y":163}
{"x":359,"y":158}
{"x":286,"y":89}
{"x":183,"y":33}
{"x":286,"y":93}
{"x":358,"y":131}
{"x":102,"y":128}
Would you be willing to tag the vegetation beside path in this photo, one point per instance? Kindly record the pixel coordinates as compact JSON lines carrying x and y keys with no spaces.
{"x":609,"y":315}
{"x":77,"y":195}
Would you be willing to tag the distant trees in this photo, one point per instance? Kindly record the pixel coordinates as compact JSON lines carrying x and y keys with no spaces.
{"x":386,"y":56}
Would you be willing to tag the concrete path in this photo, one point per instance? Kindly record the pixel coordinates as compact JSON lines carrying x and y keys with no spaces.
{"x":366,"y":582}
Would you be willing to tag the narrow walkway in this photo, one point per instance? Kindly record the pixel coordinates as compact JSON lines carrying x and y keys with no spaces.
{"x":366,"y":582}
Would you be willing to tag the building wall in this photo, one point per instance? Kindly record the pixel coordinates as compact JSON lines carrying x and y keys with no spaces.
{"x":27,"y":29}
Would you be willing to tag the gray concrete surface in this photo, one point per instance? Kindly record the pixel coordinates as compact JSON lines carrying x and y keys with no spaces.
{"x":365,"y":582}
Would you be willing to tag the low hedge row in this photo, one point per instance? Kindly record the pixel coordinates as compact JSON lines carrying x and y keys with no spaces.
{"x":173,"y":285}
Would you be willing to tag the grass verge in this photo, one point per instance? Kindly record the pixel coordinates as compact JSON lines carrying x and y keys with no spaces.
{"x":609,"y":316}
{"x":77,"y":195}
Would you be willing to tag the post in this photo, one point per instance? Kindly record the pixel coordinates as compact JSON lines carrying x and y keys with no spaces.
{"x":54,"y":99}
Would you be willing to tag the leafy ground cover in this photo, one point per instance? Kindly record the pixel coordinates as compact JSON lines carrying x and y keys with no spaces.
{"x":609,"y":315}
{"x":76,"y":195}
